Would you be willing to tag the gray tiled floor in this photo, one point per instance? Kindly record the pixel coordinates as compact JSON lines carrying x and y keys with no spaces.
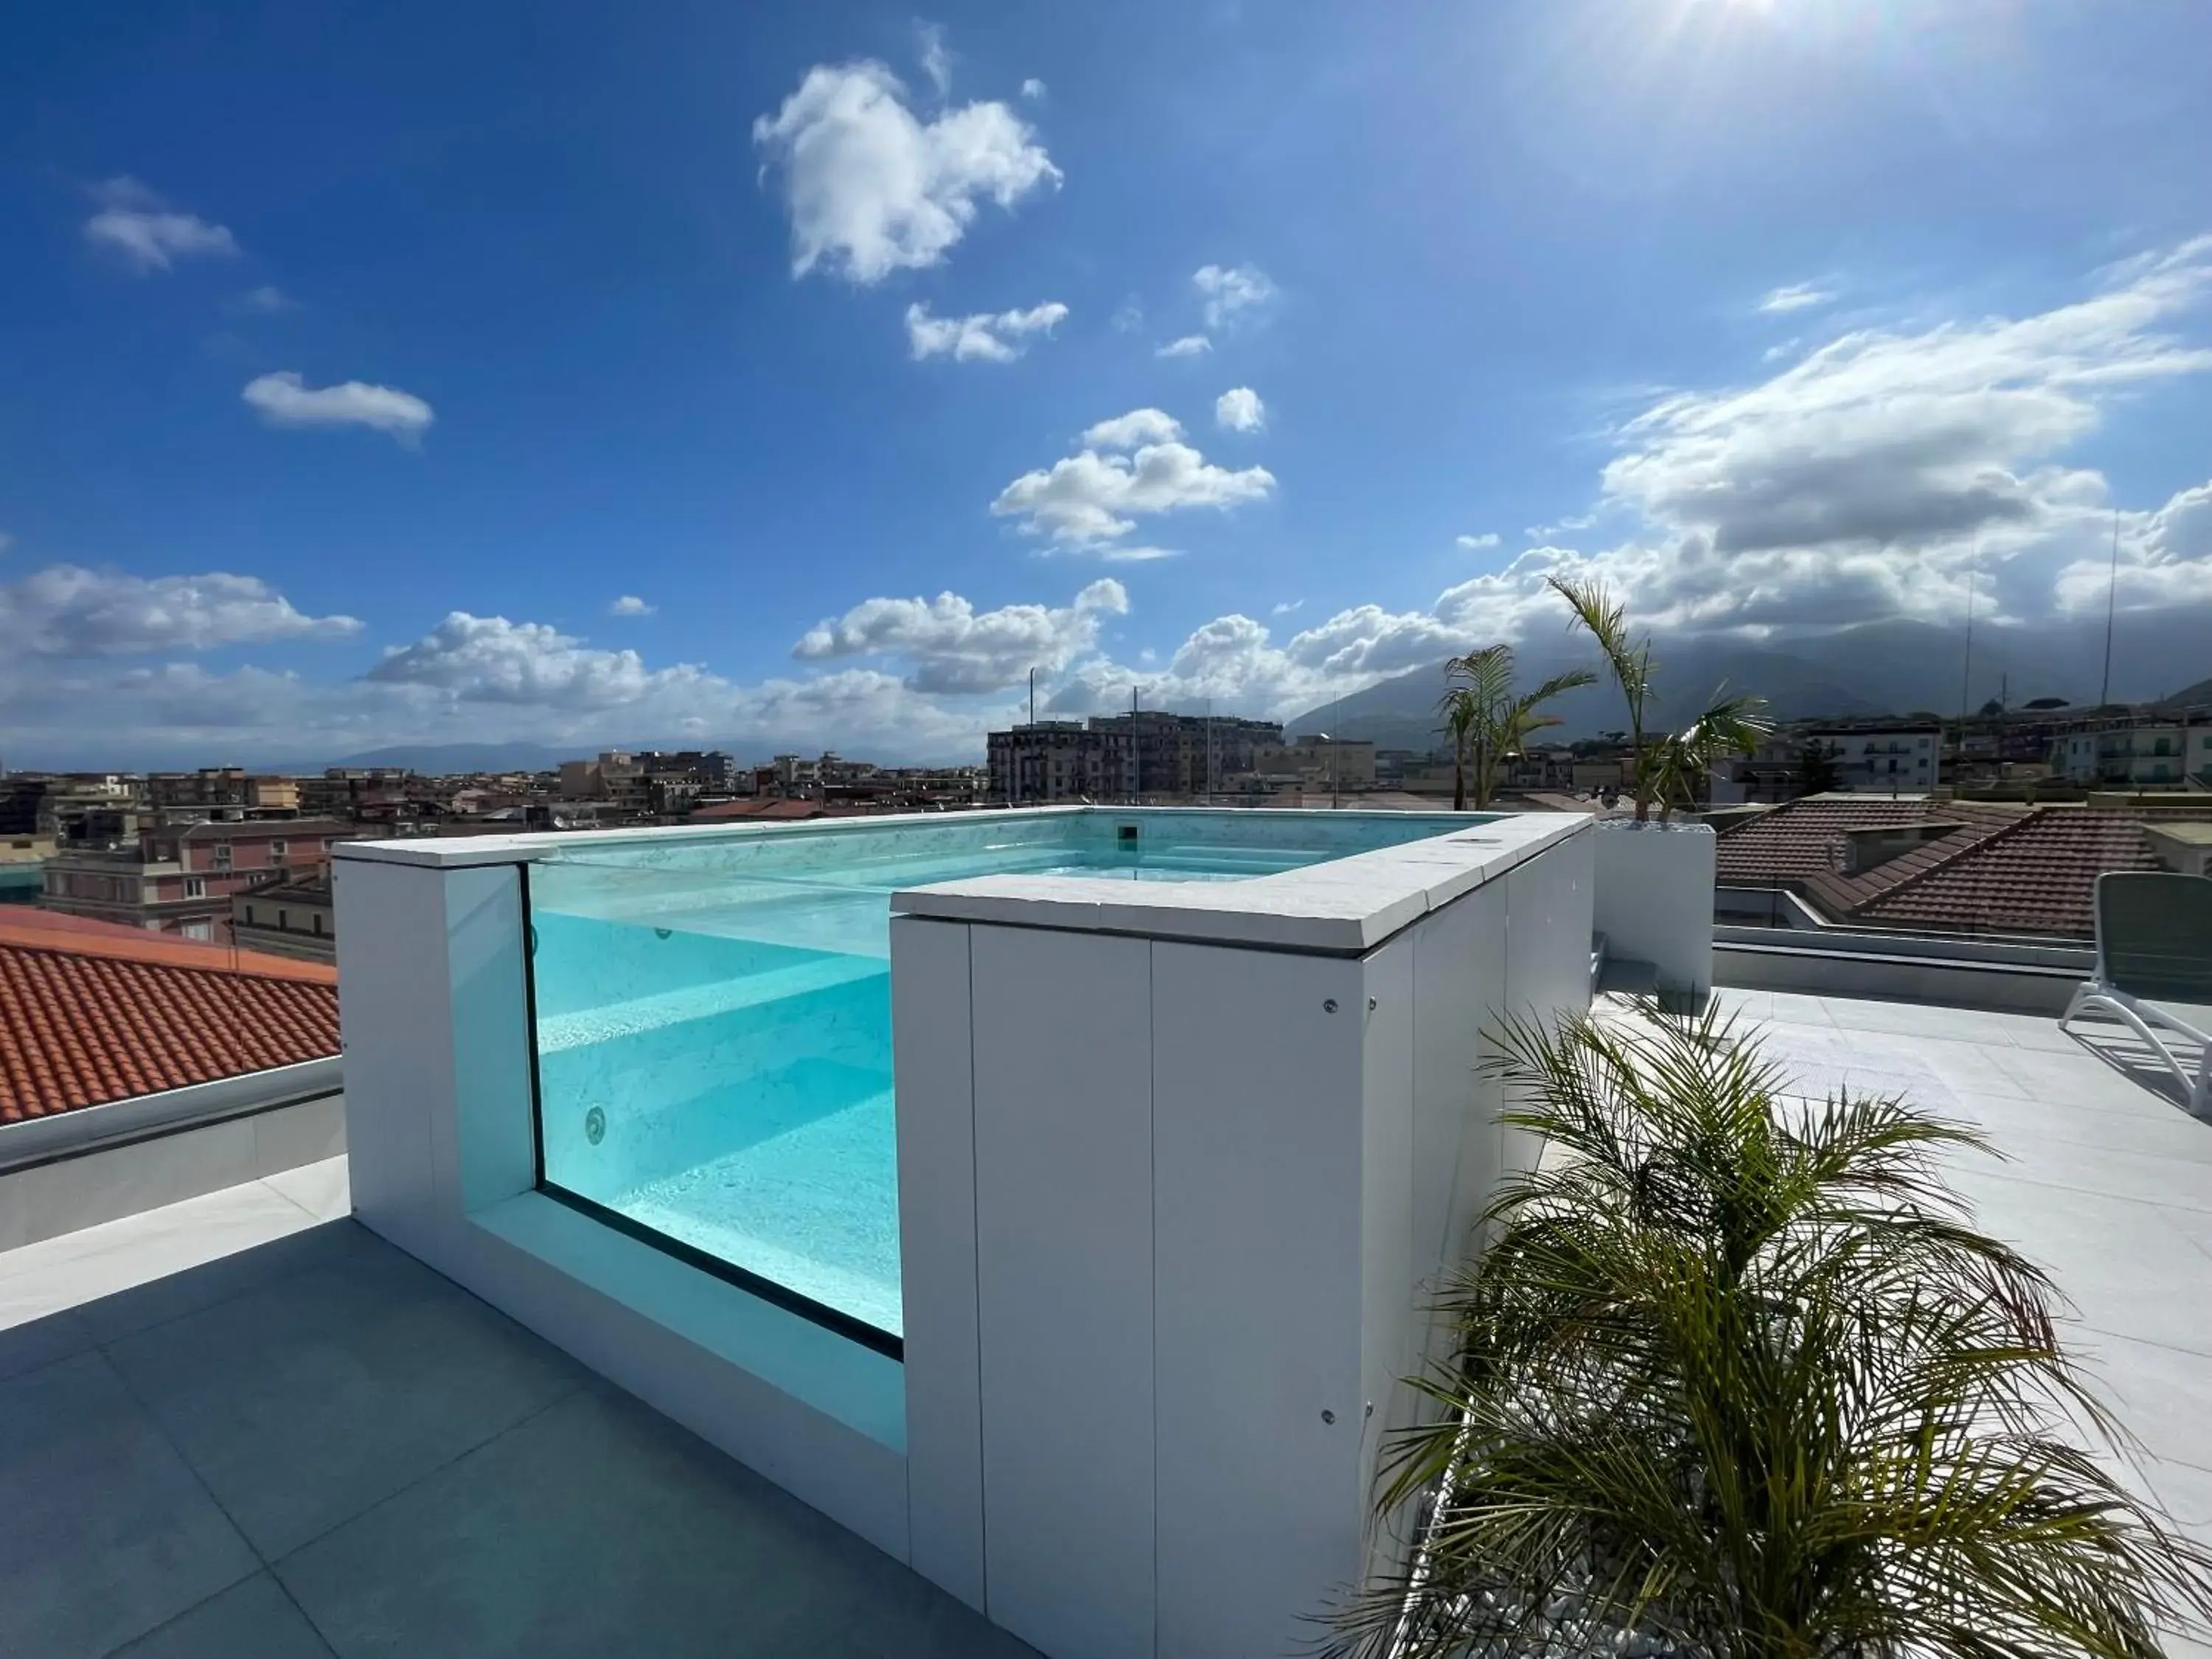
{"x":315,"y":1446}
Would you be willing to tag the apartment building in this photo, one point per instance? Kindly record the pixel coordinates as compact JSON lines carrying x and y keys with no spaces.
{"x":1318,"y":762}
{"x":287,"y":918}
{"x":1047,"y":761}
{"x":344,"y":792}
{"x":2170,"y":755}
{"x":1189,"y":754}
{"x":80,"y":808}
{"x":181,"y":878}
{"x":1888,"y":760}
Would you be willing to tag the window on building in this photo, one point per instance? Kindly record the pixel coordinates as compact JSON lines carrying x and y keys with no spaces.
{"x":198,"y":930}
{"x":195,"y":887}
{"x":319,"y":921}
{"x":284,"y":921}
{"x":222,"y":855}
{"x":249,"y":915}
{"x":275,"y":850}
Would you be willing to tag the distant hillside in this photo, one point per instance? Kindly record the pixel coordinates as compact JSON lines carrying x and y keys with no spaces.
{"x":442,"y":758}
{"x":1878,"y":668}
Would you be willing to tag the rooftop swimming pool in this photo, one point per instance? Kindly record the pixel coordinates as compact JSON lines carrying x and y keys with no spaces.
{"x":713,"y":1016}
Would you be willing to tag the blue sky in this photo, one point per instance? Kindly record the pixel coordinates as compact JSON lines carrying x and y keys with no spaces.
{"x":356,"y":363}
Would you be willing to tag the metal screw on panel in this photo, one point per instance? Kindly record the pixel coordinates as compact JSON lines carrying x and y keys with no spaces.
{"x":595,"y":1126}
{"x":1370,"y":1005}
{"x":1328,"y":1417}
{"x":1329,"y":1006}
{"x":1369,"y":1411}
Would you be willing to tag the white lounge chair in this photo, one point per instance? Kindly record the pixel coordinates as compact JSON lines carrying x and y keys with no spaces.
{"x":2155,"y":966}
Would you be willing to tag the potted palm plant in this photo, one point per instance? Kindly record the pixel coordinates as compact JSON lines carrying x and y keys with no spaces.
{"x":1655,"y":880}
{"x":1488,"y":722}
{"x":1736,"y":1378}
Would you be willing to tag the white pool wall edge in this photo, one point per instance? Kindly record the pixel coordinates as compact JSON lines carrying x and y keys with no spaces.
{"x":439,"y":1121}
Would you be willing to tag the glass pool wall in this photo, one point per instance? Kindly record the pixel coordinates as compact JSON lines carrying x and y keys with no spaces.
{"x":712,"y":1019}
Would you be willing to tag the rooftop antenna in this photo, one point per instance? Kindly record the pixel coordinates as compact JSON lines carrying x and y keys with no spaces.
{"x":1032,"y":696}
{"x":2112,"y":597}
{"x":1967,"y":673}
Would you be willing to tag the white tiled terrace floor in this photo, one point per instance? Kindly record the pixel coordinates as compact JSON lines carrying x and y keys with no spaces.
{"x":243,"y":1427}
{"x":240,"y":1427}
{"x":2106,"y":1183}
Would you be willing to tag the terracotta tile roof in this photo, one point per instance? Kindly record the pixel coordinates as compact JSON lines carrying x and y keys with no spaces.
{"x":91,"y":1014}
{"x":754,"y":811}
{"x":2037,"y":877}
{"x":288,"y":829}
{"x":1806,"y":837}
{"x":1993,"y":868}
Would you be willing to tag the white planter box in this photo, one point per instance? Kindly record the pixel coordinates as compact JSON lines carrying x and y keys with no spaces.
{"x":1655,"y":899}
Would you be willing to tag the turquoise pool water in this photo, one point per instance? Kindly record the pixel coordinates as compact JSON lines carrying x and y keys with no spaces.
{"x":713,"y":1015}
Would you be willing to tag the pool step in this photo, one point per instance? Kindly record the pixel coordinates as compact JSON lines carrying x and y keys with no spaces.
{"x":556,"y":1032}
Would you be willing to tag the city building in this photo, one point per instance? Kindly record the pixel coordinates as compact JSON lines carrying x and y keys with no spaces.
{"x":1048,"y":762}
{"x":2166,"y":755}
{"x":211,"y":786}
{"x":1315,"y":761}
{"x":349,"y":792}
{"x":287,"y":918}
{"x":83,"y":809}
{"x":650,"y":782}
{"x":181,"y":878}
{"x":1187,"y":755}
{"x":1880,"y":760}
{"x":22,"y":861}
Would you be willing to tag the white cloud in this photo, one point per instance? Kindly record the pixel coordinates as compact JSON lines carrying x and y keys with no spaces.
{"x":1129,"y":316}
{"x":1478,"y":543}
{"x":490,"y":660}
{"x":1286,"y":607}
{"x":1230,"y":291}
{"x":1139,"y":426}
{"x":134,"y":223}
{"x":1860,"y":480}
{"x":65,"y":611}
{"x":1239,"y":409}
{"x":1775,"y":354}
{"x":284,"y":399}
{"x":2164,"y":559}
{"x":1033,"y":90}
{"x":985,"y":336}
{"x":631,"y":605}
{"x":1795,"y":296}
{"x":872,"y":189}
{"x":1122,"y":553}
{"x":267,"y":300}
{"x":936,"y":60}
{"x":1190,"y":345}
{"x":954,"y":648}
{"x":1090,"y":498}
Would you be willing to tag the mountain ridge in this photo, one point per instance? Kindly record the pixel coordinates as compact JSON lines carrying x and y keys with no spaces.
{"x":1868,"y":670}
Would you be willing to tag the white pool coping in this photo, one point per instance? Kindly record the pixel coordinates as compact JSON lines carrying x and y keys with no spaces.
{"x":1342,"y":905}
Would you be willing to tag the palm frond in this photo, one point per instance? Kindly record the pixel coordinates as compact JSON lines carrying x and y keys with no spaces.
{"x":1735,"y":1372}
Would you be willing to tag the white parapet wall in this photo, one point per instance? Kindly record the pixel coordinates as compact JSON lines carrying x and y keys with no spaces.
{"x":1174,"y":1178}
{"x":1655,"y":899}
